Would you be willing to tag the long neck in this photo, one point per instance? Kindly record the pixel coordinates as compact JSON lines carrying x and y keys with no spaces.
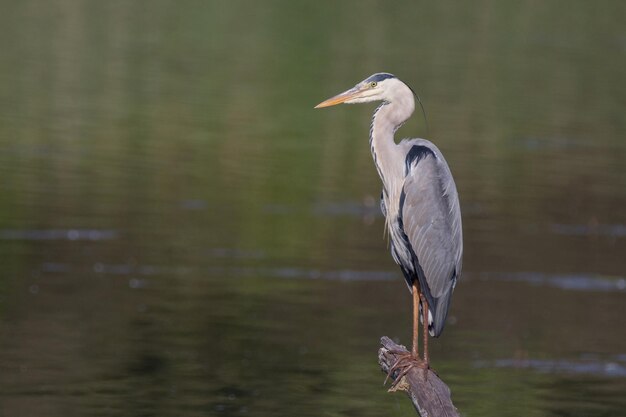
{"x":387,"y":156}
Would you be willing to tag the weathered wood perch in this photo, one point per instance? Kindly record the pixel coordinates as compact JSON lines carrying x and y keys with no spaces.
{"x":430,"y":395}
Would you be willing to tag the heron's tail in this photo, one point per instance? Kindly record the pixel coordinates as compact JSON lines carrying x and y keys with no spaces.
{"x":440,"y":314}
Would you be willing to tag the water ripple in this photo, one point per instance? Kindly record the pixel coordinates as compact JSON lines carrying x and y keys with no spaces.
{"x":579,"y":282}
{"x":239,"y":271}
{"x":348,"y":208}
{"x":58,"y":234}
{"x":235,"y":253}
{"x":611,"y":230}
{"x":592,"y":367}
{"x":334,"y":275}
{"x":549,"y":143}
{"x":193,"y":204}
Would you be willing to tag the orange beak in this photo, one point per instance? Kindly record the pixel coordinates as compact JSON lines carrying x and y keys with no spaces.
{"x":339,"y":98}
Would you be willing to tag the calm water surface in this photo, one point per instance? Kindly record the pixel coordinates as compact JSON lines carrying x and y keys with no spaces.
{"x":182,"y":234}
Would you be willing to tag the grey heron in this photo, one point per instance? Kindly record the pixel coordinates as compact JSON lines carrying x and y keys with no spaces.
{"x":420,"y":203}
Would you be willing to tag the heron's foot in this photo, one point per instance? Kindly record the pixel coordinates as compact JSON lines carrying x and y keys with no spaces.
{"x":405,"y":362}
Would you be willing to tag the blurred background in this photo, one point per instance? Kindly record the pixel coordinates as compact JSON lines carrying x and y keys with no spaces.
{"x":181,"y":234}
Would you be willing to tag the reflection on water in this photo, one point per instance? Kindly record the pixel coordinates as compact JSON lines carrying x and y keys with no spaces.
{"x":182,"y":234}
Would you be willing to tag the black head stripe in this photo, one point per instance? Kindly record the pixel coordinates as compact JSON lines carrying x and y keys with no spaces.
{"x":380,"y":77}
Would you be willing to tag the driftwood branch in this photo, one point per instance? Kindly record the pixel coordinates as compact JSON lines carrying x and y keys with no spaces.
{"x":430,"y":395}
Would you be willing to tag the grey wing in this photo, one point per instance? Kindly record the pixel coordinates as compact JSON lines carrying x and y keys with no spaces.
{"x":431,"y":219}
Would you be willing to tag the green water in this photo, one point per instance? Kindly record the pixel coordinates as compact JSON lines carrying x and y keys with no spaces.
{"x":181,"y":234}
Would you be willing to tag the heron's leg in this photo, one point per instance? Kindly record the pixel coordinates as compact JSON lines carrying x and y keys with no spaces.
{"x":405,"y":358}
{"x":425,"y":328}
{"x":408,"y":360}
{"x":416,"y":310}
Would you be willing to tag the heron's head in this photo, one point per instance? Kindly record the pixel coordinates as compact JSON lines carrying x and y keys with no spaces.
{"x":378,"y":87}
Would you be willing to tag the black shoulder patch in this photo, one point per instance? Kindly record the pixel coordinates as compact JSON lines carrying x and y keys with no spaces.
{"x":380,"y":77}
{"x":416,"y":154}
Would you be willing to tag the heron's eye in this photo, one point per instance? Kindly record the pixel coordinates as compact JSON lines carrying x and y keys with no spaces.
{"x":373,"y":84}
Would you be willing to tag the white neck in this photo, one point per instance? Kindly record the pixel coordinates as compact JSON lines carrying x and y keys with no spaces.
{"x":387,"y":119}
